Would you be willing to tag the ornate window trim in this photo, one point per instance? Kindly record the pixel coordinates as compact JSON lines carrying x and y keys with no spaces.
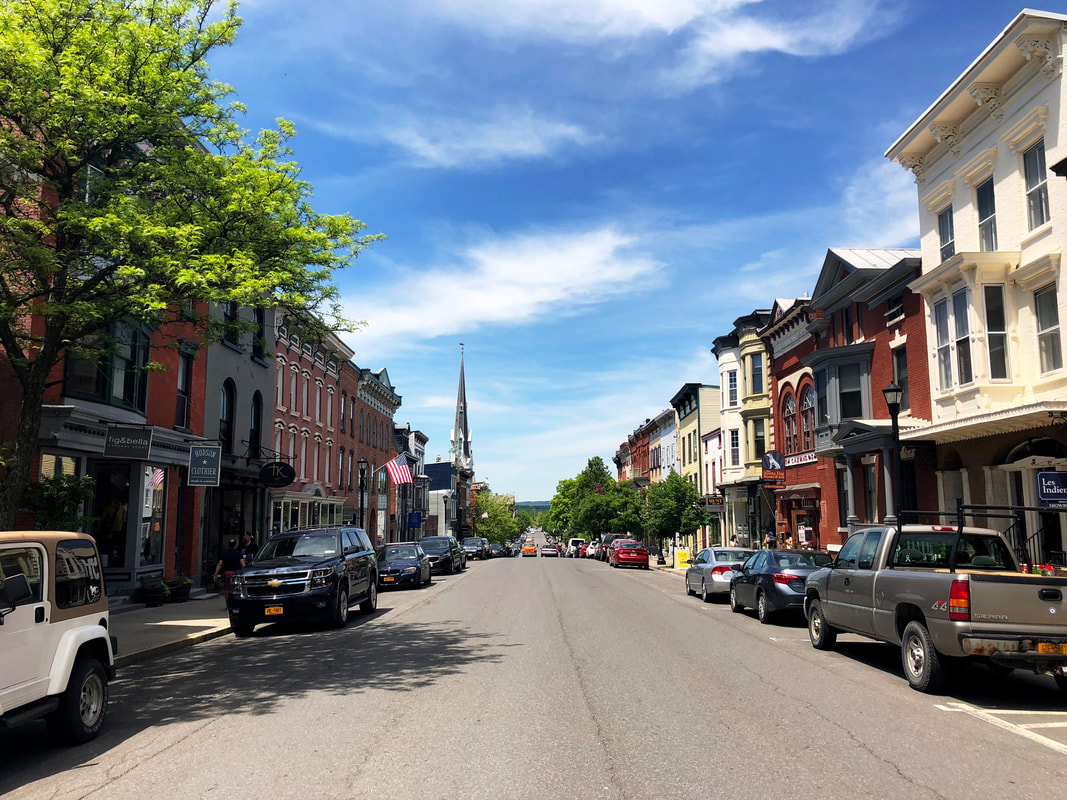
{"x":1027,"y":130}
{"x":978,"y":168}
{"x":939,"y":197}
{"x":1038,"y":272}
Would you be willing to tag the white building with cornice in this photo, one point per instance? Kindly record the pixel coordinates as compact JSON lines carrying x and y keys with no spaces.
{"x":993,"y":224}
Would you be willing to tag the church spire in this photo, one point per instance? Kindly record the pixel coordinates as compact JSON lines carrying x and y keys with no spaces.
{"x":462,"y":456}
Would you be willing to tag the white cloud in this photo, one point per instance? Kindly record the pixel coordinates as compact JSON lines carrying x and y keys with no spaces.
{"x":504,"y":282}
{"x":578,"y":19}
{"x":503,"y":134}
{"x":880,"y":207}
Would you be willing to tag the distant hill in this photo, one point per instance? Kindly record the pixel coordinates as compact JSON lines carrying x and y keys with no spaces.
{"x":533,"y":507}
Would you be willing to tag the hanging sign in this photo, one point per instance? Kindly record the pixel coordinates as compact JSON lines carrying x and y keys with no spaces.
{"x":773,"y":468}
{"x":205,"y":465}
{"x":277,"y":474}
{"x":1052,"y":489}
{"x":124,"y":441}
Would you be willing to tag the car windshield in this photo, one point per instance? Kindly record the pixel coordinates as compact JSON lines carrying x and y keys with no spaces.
{"x":318,"y":545}
{"x":787,"y":560}
{"x":399,"y":553}
{"x":434,"y":543}
{"x":471,"y":540}
{"x":732,"y":555}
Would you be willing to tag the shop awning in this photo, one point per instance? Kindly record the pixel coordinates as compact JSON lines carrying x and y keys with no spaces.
{"x":799,"y":491}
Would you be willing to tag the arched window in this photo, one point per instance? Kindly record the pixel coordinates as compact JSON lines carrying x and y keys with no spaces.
{"x":789,"y":422}
{"x":227,"y":400}
{"x":807,"y":417}
{"x":255,"y":426}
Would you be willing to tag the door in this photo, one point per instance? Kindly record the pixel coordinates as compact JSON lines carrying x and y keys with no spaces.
{"x":745,"y":585}
{"x":838,"y":600}
{"x":352,"y":548}
{"x":862,"y":584}
{"x":25,"y":634}
{"x":697,"y":570}
{"x":365,"y":561}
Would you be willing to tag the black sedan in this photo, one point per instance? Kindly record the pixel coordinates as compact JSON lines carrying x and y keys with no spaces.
{"x":773,"y":580}
{"x":403,"y":564}
{"x":446,"y":554}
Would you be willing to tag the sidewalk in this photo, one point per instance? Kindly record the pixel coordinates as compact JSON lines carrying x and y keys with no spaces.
{"x":147,"y":632}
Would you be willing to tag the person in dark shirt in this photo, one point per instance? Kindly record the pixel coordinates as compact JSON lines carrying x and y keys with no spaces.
{"x":231,"y":561}
{"x":249,"y":548}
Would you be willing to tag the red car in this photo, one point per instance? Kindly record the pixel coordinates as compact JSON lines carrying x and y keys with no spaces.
{"x":582,"y":548}
{"x":625,"y":553}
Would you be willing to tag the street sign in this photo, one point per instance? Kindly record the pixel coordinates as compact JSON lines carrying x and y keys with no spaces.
{"x":277,"y":474}
{"x":415,"y":519}
{"x":1052,"y":490}
{"x":205,"y":465}
{"x":124,"y":441}
{"x":773,"y":467}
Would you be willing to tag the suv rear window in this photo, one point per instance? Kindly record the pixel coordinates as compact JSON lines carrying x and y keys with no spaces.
{"x":78,"y":578}
{"x":930,"y":549}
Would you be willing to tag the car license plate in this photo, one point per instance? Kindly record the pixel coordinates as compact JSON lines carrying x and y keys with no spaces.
{"x":387,"y":579}
{"x":271,"y":611}
{"x":1048,"y":647}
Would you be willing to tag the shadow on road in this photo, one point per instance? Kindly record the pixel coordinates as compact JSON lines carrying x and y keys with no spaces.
{"x":256,"y":675}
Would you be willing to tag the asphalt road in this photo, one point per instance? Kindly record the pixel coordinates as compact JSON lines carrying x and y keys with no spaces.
{"x":550,"y":678}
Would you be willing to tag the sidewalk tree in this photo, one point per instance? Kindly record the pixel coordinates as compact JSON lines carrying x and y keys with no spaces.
{"x":129,"y":193}
{"x":673,"y":506}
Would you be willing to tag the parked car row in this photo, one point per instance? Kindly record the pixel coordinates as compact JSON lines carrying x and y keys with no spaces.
{"x":614,"y":548}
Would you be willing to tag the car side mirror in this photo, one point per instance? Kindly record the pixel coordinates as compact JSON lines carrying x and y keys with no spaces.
{"x":13,"y":590}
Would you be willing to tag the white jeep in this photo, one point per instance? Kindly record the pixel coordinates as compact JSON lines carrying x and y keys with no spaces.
{"x":57,"y":653}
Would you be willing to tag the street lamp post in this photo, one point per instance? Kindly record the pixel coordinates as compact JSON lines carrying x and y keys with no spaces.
{"x":893,"y":395}
{"x":363,"y":464}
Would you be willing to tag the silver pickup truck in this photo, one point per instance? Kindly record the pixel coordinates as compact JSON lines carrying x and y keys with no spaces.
{"x":940,"y":592}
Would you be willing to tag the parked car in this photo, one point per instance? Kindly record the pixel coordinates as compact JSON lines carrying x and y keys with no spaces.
{"x":473,"y":547}
{"x":593,"y":549}
{"x":549,"y":551}
{"x":627,"y":553}
{"x":497,"y":550}
{"x":529,"y":548}
{"x":710,"y":572}
{"x":941,"y":592}
{"x":57,"y":653}
{"x":403,"y":564}
{"x":446,"y":554}
{"x":573,"y":546}
{"x":773,"y":580}
{"x":305,"y":574}
{"x":583,"y":548}
{"x":487,"y":548}
{"x":605,"y":544}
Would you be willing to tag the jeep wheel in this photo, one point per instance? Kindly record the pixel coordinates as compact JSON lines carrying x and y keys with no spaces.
{"x":83,"y":706}
{"x":369,"y":605}
{"x":340,"y":614}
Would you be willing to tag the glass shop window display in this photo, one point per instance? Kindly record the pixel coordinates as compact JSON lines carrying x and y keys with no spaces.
{"x":151,"y":547}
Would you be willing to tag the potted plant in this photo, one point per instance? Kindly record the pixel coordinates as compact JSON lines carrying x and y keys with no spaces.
{"x":179,"y":588}
{"x":153,"y":590}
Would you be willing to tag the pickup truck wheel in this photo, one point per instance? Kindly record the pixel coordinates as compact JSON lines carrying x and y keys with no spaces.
{"x":369,"y":605}
{"x":735,"y":606}
{"x":83,"y":706}
{"x":704,"y":591}
{"x":923,"y":665}
{"x":822,"y":635}
{"x":340,"y":615}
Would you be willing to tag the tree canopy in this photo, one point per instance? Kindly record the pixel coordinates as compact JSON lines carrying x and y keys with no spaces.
{"x":673,"y":506}
{"x":498,"y":525}
{"x":128,"y":190}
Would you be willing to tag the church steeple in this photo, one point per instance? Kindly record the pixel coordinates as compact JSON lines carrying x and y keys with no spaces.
{"x":462,"y":455}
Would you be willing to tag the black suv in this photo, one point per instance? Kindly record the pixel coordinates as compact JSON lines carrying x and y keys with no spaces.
{"x":305,"y":574}
{"x":445,"y":553}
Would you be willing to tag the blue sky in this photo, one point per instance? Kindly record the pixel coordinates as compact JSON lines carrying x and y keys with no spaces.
{"x":587,"y":192}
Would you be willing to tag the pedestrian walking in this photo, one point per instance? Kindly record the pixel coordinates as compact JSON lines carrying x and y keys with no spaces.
{"x":733,"y":540}
{"x":789,"y":545}
{"x":249,"y":548}
{"x":769,"y":541}
{"x":230,"y":561}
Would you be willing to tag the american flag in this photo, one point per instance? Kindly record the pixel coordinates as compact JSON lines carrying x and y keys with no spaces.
{"x":398,"y":471}
{"x":157,"y":479}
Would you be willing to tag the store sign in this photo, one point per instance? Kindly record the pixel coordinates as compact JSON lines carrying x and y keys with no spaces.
{"x":1052,"y":490}
{"x":801,"y":458}
{"x":773,"y":467}
{"x":127,"y":442}
{"x":205,"y":465}
{"x":714,"y":504}
{"x":415,"y":519}
{"x":277,"y":474}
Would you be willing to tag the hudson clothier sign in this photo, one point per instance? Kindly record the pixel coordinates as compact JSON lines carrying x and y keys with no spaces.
{"x":205,"y":465}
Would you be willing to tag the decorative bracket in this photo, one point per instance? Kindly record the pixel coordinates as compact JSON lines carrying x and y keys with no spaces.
{"x":1042,"y":48}
{"x":914,"y":162}
{"x":949,"y":134}
{"x":987,"y":95}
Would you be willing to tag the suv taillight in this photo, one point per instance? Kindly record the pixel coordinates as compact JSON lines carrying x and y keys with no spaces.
{"x":959,"y":601}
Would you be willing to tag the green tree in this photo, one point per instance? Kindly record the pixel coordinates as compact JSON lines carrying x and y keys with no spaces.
{"x":523,"y":520}
{"x":673,"y":506}
{"x":128,"y":191}
{"x":558,"y":517}
{"x":497,"y":525}
{"x":55,"y":501}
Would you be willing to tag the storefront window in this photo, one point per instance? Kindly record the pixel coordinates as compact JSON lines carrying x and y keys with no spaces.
{"x":111,"y":510}
{"x":151,"y":534}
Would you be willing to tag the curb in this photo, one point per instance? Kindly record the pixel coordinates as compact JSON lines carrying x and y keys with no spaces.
{"x":138,"y":656}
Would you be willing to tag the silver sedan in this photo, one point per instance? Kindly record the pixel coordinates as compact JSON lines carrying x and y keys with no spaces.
{"x":710,"y":572}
